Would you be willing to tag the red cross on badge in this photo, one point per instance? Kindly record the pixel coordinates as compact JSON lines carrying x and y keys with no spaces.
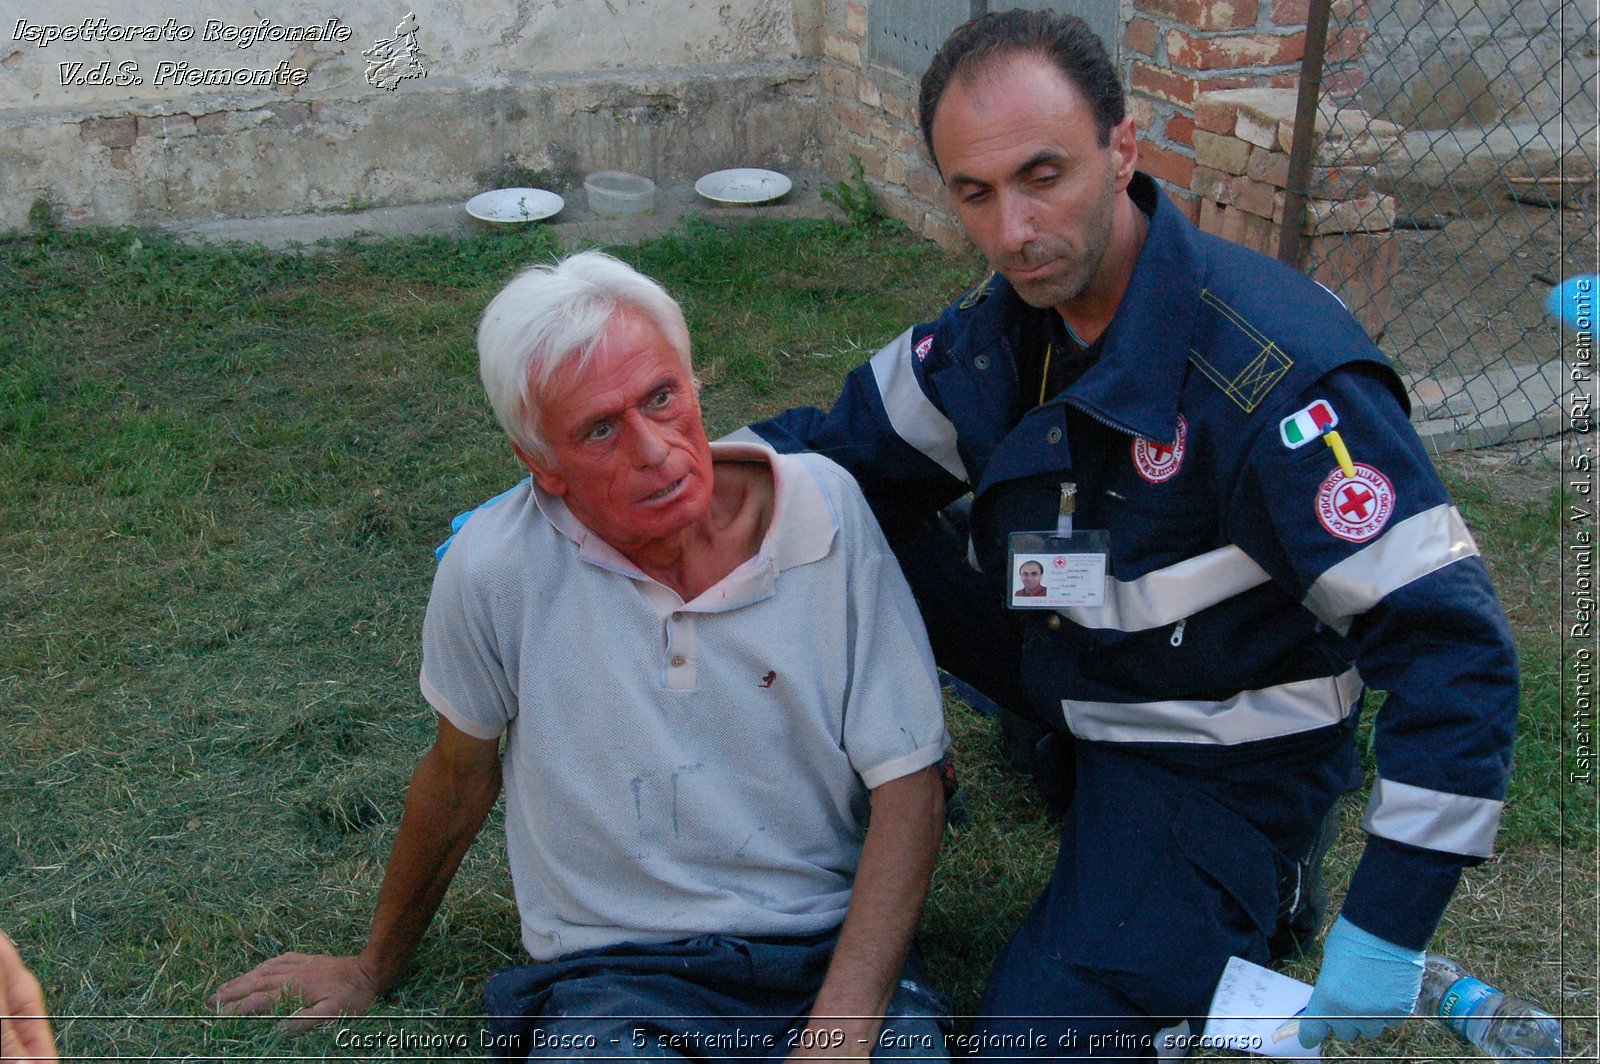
{"x":1355,"y":508}
{"x":1353,"y":502}
{"x":1157,"y":461}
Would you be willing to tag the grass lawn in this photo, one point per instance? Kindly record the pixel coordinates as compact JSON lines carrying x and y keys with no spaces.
{"x":222,"y":474}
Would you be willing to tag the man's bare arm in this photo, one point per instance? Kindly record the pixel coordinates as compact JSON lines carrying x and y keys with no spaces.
{"x":452,"y":790}
{"x":885,"y":905}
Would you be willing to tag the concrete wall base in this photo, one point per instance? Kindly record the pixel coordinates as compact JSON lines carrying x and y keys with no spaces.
{"x":287,"y":157}
{"x":1504,"y":405}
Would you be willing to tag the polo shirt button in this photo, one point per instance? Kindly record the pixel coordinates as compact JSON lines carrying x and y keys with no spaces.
{"x":1053,"y":622}
{"x":679,"y":662}
{"x":1053,"y":436}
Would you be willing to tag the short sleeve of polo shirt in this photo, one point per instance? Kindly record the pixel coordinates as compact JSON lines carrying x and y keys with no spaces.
{"x":463,"y":675}
{"x":893,"y":718}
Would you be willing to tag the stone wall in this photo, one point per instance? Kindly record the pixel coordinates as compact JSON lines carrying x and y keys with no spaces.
{"x":117,"y":117}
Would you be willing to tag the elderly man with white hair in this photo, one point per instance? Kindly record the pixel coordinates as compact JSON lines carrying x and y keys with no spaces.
{"x":707,"y":670}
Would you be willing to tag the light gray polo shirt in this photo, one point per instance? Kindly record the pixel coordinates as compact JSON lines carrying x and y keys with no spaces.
{"x":675,"y":769}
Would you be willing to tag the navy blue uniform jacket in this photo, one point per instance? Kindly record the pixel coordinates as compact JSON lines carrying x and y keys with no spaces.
{"x":1256,"y":588}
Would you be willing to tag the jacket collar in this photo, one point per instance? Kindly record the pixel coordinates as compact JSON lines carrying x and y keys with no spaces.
{"x":1138,"y":380}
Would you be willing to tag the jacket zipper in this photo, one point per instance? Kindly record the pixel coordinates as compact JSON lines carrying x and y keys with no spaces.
{"x":1094,"y":415}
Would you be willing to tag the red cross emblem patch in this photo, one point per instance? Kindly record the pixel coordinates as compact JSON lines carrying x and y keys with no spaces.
{"x":1355,"y":508}
{"x":1156,"y":461}
{"x":924,"y":347}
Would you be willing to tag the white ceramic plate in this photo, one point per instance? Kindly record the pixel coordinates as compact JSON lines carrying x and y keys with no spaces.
{"x":514,"y":205}
{"x":743,"y":185}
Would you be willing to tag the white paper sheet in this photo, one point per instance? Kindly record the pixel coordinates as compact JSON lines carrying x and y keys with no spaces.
{"x":1251,"y":1005}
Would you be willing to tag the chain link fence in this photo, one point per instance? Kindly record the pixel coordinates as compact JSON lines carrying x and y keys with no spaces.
{"x":1493,"y":179}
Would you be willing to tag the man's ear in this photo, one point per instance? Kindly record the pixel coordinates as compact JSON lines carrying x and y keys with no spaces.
{"x":550,"y":482}
{"x":1124,"y":138}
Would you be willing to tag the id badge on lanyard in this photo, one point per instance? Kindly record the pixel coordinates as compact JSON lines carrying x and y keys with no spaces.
{"x":1060,"y":567}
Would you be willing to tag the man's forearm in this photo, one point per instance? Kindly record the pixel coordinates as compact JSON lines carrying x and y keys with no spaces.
{"x":886,"y":903}
{"x":444,"y":811}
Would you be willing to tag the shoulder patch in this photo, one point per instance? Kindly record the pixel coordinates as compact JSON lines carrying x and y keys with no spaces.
{"x":923,"y":347}
{"x":1355,"y":508}
{"x":979,"y":293}
{"x":1265,"y":363}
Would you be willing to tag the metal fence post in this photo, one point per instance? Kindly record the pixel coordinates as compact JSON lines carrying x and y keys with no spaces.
{"x":1305,"y":133}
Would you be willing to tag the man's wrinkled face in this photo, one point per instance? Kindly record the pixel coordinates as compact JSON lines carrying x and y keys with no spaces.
{"x":627,"y":450}
{"x":1021,"y":155}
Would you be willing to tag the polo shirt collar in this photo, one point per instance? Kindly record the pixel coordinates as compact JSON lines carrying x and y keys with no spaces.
{"x":803,"y":523}
{"x":802,"y":531}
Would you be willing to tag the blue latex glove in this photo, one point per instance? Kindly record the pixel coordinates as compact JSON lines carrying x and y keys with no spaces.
{"x":1366,"y":986}
{"x":461,"y":518}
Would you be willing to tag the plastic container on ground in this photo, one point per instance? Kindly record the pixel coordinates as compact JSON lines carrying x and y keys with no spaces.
{"x":617,"y":192}
{"x":1504,"y":1027}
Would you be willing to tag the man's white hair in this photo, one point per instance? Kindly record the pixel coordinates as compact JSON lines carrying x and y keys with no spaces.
{"x":550,"y":315}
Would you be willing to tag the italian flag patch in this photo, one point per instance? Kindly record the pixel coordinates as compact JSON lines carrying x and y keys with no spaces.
{"x":1303,"y":426}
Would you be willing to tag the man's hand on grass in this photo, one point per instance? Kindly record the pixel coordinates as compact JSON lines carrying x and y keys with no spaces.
{"x":22,"y":1039}
{"x":330,"y":986}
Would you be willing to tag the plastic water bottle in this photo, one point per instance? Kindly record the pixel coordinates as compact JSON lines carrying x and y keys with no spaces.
{"x":1505,"y":1028}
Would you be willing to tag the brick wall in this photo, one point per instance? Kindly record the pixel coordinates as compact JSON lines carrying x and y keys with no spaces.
{"x":1178,"y":51}
{"x":874,"y":111}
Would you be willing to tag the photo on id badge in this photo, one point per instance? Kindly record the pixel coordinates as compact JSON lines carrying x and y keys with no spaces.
{"x":1050,"y":579}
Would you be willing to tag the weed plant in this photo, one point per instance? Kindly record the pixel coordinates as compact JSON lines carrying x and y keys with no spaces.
{"x":222,"y":474}
{"x":855,"y":198}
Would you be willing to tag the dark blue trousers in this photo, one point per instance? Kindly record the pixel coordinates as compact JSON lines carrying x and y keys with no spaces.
{"x":1158,"y":881}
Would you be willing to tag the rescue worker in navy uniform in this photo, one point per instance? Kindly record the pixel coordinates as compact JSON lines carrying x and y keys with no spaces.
{"x":1277,"y":542}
